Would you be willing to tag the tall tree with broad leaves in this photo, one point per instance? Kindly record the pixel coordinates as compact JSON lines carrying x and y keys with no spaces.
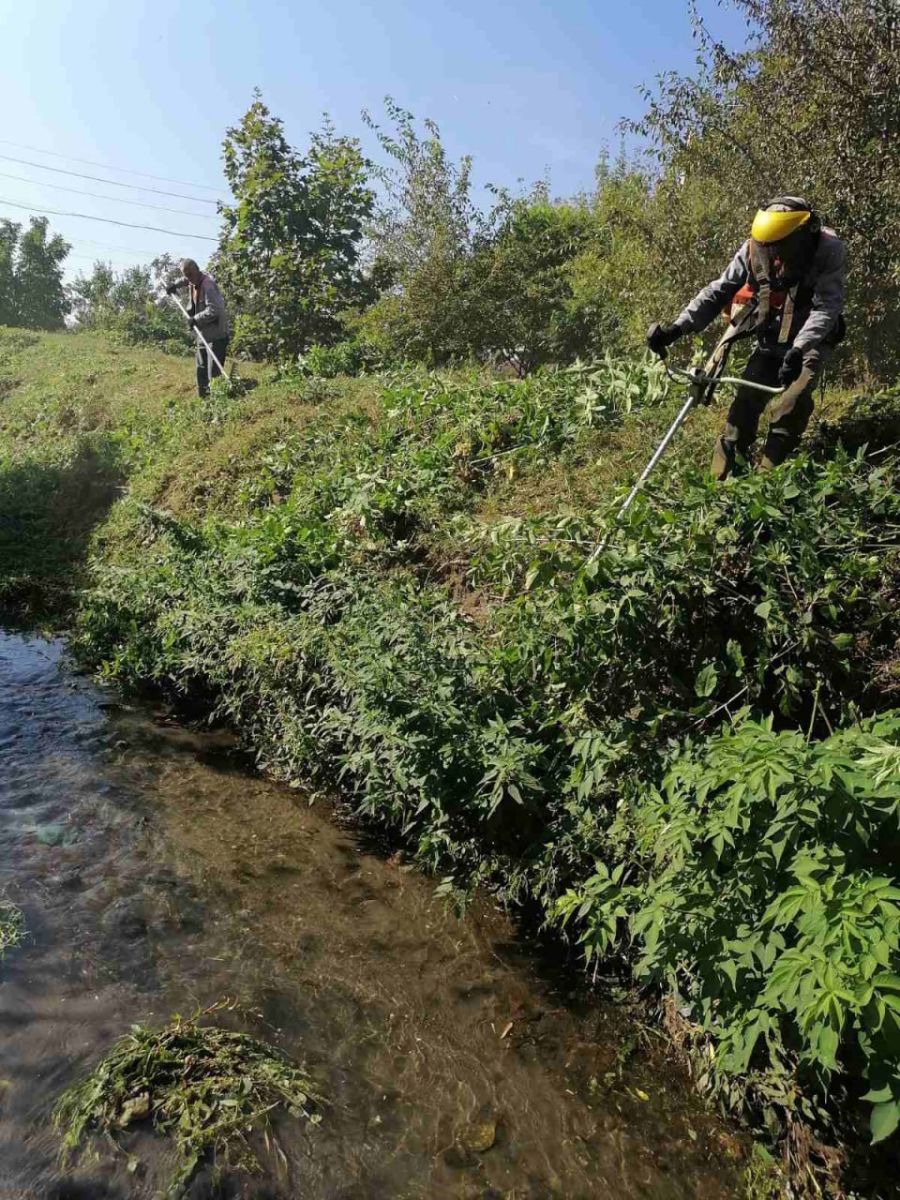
{"x":32,"y":292}
{"x":289,"y":257}
{"x":40,"y":293}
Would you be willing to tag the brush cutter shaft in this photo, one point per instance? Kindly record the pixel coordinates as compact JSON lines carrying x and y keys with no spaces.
{"x":702,"y":386}
{"x":209,"y":349}
{"x":657,"y":455}
{"x":699,"y":380}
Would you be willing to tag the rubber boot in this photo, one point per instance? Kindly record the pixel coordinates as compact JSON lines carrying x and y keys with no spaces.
{"x":724,"y":454}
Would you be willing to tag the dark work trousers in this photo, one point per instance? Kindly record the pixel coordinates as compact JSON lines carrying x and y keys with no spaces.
{"x":208,"y":370}
{"x":784,"y":433}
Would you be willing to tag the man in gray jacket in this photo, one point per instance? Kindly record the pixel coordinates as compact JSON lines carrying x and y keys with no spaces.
{"x":791,"y":272}
{"x":208,"y":314}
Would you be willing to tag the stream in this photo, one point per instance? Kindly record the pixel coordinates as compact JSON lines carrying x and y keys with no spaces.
{"x":158,"y":875}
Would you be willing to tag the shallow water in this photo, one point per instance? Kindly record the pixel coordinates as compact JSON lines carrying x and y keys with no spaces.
{"x":158,"y":875}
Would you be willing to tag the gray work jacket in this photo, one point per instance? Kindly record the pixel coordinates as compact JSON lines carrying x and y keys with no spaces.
{"x":208,"y":310}
{"x":823,"y":285}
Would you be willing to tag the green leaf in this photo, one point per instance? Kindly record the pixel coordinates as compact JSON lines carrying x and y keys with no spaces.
{"x":763,"y":610}
{"x":884,"y":1120}
{"x":706,"y":681}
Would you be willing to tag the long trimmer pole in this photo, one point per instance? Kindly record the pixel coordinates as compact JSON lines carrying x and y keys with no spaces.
{"x":209,"y":349}
{"x":657,"y":455}
{"x":647,"y":471}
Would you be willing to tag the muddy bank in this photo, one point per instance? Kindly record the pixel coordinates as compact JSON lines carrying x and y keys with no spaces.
{"x":158,"y":875}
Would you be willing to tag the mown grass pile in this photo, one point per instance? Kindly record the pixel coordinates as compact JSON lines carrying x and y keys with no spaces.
{"x":12,"y":926}
{"x":209,"y":1089}
{"x":684,"y":752}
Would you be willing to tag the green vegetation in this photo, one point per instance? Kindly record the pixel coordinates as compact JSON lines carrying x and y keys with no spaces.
{"x":289,"y":253}
{"x":123,"y":303}
{"x":205,"y":1087}
{"x":685,"y":753}
{"x":12,"y":926}
{"x":31,"y":273}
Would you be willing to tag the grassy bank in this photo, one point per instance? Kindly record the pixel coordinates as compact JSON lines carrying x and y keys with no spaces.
{"x":684,"y":753}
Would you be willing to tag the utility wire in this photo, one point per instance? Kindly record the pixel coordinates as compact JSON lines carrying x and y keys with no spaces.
{"x":41,"y":212}
{"x":204,"y":187}
{"x":61,"y":187}
{"x":80,"y":241}
{"x":107,"y":262}
{"x":135,"y":187}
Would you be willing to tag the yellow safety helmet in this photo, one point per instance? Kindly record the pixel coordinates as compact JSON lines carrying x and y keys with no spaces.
{"x":782,"y":217}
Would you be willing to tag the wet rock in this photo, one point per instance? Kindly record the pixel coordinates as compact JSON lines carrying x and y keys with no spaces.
{"x":480,"y":1136}
{"x":53,"y":835}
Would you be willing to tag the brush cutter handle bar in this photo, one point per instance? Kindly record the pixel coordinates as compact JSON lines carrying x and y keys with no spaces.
{"x":209,"y":349}
{"x":697,"y":376}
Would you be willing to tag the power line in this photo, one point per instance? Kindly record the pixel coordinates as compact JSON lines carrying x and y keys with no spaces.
{"x":204,"y":187}
{"x":99,"y":258}
{"x":106,"y":220}
{"x":135,"y":187}
{"x":61,"y":187}
{"x":82,"y":241}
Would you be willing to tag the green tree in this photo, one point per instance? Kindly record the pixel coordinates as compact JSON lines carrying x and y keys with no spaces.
{"x":522,"y":279}
{"x":421,"y":242}
{"x":39,"y":291}
{"x":289,"y":256}
{"x":9,"y":240}
{"x":31,"y":275}
{"x":125,"y":303}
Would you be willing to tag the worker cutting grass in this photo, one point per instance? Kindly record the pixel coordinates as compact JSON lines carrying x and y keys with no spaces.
{"x":208,"y":318}
{"x":785,"y":287}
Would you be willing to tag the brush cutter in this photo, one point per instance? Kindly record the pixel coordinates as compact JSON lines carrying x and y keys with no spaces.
{"x":209,"y":350}
{"x":703,"y":385}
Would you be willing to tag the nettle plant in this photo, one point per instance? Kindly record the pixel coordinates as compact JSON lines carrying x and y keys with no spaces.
{"x":758,"y":884}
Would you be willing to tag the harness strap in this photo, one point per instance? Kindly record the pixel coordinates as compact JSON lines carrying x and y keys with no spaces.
{"x":787,"y":316}
{"x":761,"y":266}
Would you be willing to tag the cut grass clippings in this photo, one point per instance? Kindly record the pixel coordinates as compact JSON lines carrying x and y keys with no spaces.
{"x":206,"y":1087}
{"x":12,"y":926}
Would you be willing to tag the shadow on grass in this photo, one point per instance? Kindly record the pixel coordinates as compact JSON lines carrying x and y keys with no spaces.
{"x":47,"y":513}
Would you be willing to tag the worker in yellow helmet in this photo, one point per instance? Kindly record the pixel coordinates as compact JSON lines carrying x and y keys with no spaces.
{"x":791,"y":271}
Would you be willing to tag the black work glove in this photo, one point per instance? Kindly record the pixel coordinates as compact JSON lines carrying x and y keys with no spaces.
{"x":791,"y":366}
{"x":661,"y":336}
{"x":192,"y":324}
{"x":172,"y":289}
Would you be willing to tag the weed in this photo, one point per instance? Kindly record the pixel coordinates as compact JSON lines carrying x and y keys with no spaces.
{"x":205,"y":1087}
{"x":330,"y":572}
{"x":12,"y":926}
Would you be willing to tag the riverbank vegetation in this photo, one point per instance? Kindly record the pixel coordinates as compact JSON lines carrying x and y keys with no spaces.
{"x":375,"y":559}
{"x":684,"y":753}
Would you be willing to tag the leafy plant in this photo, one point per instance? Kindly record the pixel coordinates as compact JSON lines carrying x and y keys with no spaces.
{"x":289,"y":254}
{"x":755,"y":887}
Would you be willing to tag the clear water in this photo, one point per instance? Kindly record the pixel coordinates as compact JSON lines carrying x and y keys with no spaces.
{"x":158,"y":875}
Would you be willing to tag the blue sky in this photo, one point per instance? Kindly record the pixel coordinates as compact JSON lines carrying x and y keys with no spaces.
{"x":529,"y":89}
